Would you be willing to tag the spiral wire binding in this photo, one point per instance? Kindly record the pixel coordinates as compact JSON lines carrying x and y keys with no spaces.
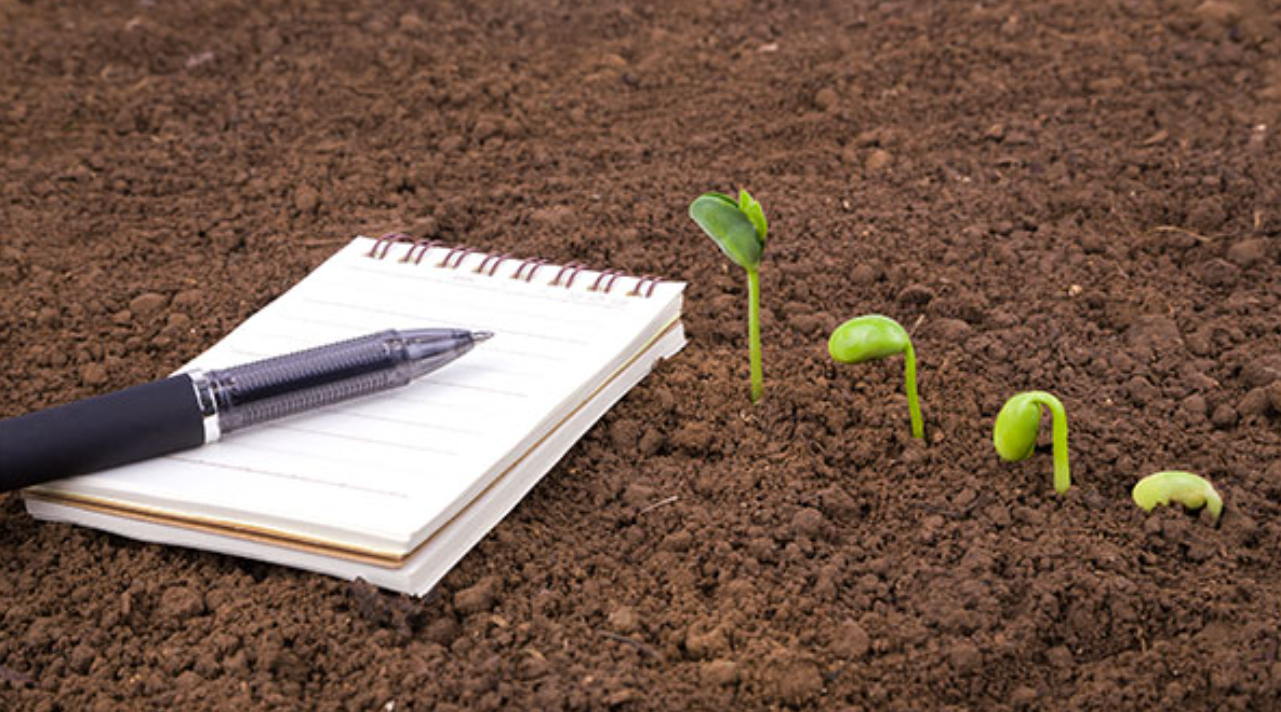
{"x":534,"y":264}
{"x":418,"y":249}
{"x":383,"y":244}
{"x":573,"y":268}
{"x":454,"y":258}
{"x":611,"y":274}
{"x":644,"y":279}
{"x":498,"y":260}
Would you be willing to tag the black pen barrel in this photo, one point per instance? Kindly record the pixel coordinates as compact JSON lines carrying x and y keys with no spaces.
{"x":188,"y":410}
{"x":113,"y":429}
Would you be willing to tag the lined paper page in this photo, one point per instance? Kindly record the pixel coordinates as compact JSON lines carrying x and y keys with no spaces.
{"x":384,"y":472}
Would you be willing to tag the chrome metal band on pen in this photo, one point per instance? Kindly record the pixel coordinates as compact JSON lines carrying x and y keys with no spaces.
{"x":207,"y":403}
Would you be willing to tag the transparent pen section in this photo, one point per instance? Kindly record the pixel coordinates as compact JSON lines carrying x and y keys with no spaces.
{"x":304,"y":381}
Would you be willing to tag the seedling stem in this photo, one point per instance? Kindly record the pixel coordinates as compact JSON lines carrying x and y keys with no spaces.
{"x":913,"y":404}
{"x":754,"y":332}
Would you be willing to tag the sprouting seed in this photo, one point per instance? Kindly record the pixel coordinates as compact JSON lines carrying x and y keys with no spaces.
{"x":1191,"y":491}
{"x":1017,"y":425}
{"x":873,"y":336}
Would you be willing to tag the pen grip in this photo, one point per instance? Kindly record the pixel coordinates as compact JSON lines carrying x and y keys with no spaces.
{"x":105,"y":431}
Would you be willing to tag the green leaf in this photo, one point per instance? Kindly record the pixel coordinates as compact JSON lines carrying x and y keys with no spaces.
{"x":866,"y":338}
{"x":753,"y":211}
{"x":727,"y":225}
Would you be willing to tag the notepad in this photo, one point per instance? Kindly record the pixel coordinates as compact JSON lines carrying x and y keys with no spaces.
{"x":396,"y":488}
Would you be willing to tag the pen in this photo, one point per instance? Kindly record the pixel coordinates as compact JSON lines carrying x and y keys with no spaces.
{"x":198,"y":407}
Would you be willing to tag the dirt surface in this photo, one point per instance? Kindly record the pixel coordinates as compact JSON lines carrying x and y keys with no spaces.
{"x":1085,"y":201}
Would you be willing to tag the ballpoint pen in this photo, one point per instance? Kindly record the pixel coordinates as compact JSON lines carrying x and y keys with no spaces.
{"x":198,"y":407}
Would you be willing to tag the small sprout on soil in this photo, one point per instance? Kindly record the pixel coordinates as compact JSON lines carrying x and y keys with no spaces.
{"x":1185,"y":488}
{"x":739,"y":229}
{"x":873,"y":336}
{"x":1017,"y":426}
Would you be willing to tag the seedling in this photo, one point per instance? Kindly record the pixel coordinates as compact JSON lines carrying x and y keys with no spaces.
{"x":873,"y":336}
{"x":1017,"y":426}
{"x":739,"y":229}
{"x":1185,"y":488}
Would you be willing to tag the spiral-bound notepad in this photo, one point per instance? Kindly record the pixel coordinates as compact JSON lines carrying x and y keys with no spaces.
{"x":397,"y":487}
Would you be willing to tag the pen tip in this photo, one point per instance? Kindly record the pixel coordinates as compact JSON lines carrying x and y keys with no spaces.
{"x":478,"y":336}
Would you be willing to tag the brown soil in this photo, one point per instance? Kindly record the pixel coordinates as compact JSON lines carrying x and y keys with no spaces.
{"x":1086,"y":201}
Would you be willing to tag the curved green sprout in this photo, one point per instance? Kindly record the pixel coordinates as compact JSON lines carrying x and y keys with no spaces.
{"x":739,"y":229}
{"x":1185,"y":488}
{"x":1016,"y":428}
{"x":873,"y":336}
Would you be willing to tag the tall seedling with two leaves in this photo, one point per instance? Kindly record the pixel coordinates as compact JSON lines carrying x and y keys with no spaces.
{"x":739,"y":229}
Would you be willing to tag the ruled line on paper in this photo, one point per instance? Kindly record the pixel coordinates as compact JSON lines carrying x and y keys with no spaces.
{"x":332,"y":416}
{"x":344,"y":327}
{"x":474,"y":387}
{"x":434,"y":379}
{"x":473,"y":364}
{"x":230,"y":448}
{"x":193,"y":460}
{"x":453,"y":406}
{"x":400,"y":314}
{"x":416,"y":316}
{"x":357,"y":438}
{"x":435,"y":427}
{"x":416,"y":396}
